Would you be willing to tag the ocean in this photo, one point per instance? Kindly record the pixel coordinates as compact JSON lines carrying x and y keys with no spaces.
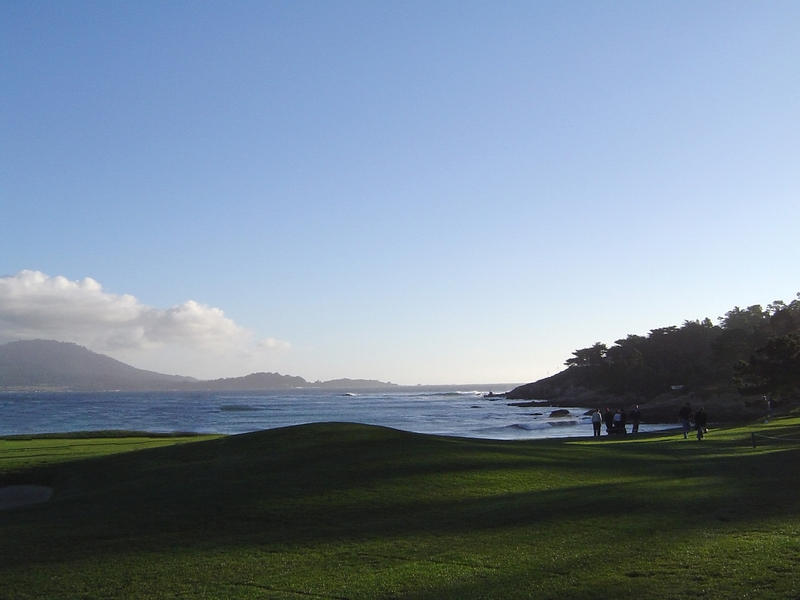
{"x":447,"y":411}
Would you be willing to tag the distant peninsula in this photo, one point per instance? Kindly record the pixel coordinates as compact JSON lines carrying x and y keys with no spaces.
{"x":63,"y":366}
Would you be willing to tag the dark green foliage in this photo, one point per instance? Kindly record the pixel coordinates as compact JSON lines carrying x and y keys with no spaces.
{"x":698,"y":356}
{"x":774,"y":368}
{"x":588,"y":357}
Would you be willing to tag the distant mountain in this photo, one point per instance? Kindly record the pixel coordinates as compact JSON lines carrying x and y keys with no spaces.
{"x":45,"y":364}
{"x":50,"y":365}
{"x":252,"y":382}
{"x":354,"y":384}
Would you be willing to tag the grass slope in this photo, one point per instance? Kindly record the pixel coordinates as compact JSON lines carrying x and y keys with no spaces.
{"x":351,"y":511}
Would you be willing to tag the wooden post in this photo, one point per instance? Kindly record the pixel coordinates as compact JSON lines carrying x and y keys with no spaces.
{"x":753,"y":438}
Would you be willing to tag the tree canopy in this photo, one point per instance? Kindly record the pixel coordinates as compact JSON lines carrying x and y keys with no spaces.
{"x":774,"y":369}
{"x":752,"y":349}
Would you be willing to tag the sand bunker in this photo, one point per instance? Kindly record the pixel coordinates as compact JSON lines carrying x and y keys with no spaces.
{"x":12,"y":496}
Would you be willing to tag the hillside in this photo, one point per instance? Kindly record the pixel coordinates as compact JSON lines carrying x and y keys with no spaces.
{"x":46,"y":364}
{"x":354,"y":384}
{"x":254,"y":381}
{"x":51,"y":365}
{"x":751,"y":352}
{"x":276,"y":381}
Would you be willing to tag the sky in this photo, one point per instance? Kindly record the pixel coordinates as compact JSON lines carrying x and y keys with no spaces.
{"x":418,"y":192}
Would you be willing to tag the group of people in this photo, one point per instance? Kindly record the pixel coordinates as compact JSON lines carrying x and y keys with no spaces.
{"x":700,"y":419}
{"x":615,"y":421}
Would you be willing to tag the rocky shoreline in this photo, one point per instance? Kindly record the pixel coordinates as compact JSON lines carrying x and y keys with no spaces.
{"x":721,"y":407}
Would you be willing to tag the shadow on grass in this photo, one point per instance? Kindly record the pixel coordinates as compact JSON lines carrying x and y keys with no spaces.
{"x":334,"y":483}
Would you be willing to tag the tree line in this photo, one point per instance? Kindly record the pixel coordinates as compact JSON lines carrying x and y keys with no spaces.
{"x":754,"y":350}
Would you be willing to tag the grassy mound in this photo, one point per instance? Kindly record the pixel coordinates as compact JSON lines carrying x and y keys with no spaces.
{"x":351,"y":511}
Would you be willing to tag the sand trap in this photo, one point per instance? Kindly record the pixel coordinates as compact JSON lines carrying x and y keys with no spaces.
{"x":12,"y":496}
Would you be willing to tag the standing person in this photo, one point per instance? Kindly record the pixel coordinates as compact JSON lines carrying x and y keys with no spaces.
{"x":636,"y":417}
{"x":685,"y":415}
{"x":700,"y":422}
{"x":619,"y":424}
{"x":608,"y":419}
{"x":597,"y":422}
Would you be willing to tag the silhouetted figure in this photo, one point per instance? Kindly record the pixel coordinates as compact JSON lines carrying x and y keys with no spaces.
{"x":685,"y":416}
{"x":608,"y":419}
{"x":619,"y":423}
{"x":597,"y":422}
{"x":636,"y":417}
{"x":700,"y":422}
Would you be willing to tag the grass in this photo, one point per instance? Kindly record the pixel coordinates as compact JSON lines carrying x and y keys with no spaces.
{"x":20,"y":453}
{"x":351,"y":511}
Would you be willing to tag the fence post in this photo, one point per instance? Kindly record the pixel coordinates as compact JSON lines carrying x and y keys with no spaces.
{"x":753,"y":438}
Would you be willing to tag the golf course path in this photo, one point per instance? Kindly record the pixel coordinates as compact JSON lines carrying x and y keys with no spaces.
{"x":13,"y":496}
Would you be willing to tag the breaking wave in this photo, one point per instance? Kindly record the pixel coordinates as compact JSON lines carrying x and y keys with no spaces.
{"x":444,"y":394}
{"x":514,"y":427}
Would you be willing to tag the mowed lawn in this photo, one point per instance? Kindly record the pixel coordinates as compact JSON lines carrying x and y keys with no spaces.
{"x":352,"y":511}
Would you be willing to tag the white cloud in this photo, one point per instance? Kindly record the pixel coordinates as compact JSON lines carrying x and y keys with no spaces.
{"x":273,"y":343}
{"x":35,"y":305}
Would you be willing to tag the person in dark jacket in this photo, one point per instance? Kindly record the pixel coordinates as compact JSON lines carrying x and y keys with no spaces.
{"x":608,"y":419}
{"x":636,"y":417}
{"x":700,"y":422}
{"x":685,"y":416}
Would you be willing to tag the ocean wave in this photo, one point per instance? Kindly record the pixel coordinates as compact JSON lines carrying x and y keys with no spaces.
{"x":539,"y":425}
{"x":444,"y":394}
{"x":514,"y":427}
{"x":238,"y":408}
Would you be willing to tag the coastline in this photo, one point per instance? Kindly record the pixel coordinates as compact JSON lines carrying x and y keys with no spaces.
{"x":724,"y":408}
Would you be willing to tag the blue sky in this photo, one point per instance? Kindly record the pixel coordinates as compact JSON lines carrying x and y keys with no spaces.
{"x":421,"y":192}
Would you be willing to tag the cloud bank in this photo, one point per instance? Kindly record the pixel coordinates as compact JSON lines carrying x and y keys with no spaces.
{"x":34,"y":305}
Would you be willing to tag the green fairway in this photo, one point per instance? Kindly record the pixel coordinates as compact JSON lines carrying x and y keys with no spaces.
{"x":352,"y":511}
{"x":19,"y":453}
